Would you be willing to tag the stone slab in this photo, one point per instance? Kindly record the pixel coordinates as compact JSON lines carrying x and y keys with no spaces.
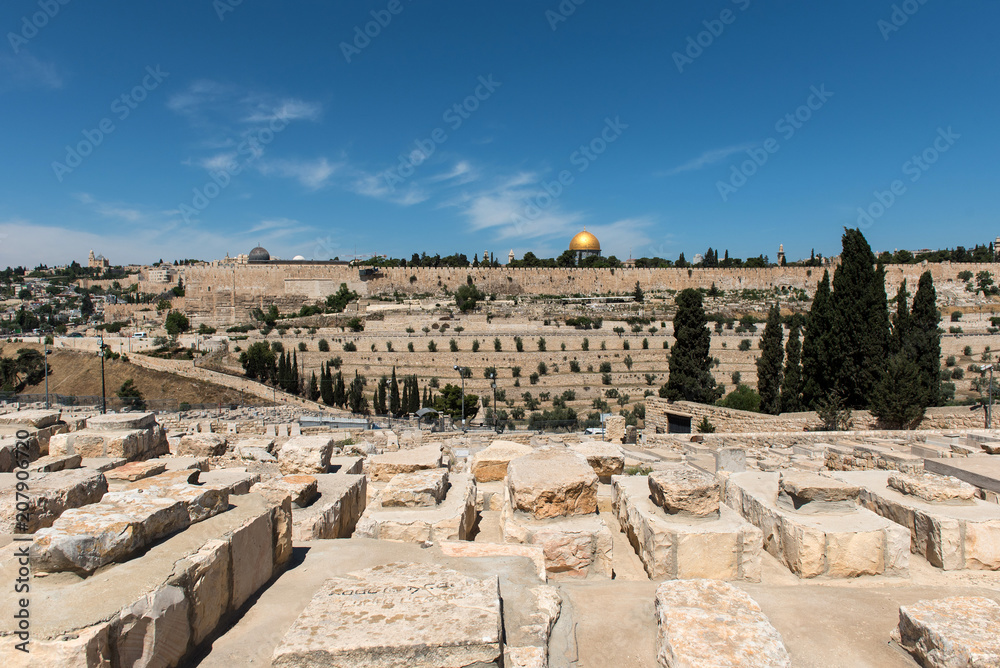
{"x":452,"y":519}
{"x":235,"y":480}
{"x":50,"y":495}
{"x":202,"y":445}
{"x":102,"y":464}
{"x":960,"y":631}
{"x":302,"y":489}
{"x":552,"y":482}
{"x":684,"y":490}
{"x":383,"y":467}
{"x":335,"y":514}
{"x":712,"y":623}
{"x":344,"y":464}
{"x":39,"y":418}
{"x":305,"y":455}
{"x":840,"y":545}
{"x":121,"y":421}
{"x":414,"y":615}
{"x":50,"y":463}
{"x":949,"y":536}
{"x":812,"y":488}
{"x":933,"y":488}
{"x":721,"y":547}
{"x":471,"y":550}
{"x":490,"y":463}
{"x":421,"y":489}
{"x":983,"y":471}
{"x":136,"y":471}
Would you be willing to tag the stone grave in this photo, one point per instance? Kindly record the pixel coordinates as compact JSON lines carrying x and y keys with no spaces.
{"x":490,"y":463}
{"x":812,"y":523}
{"x":607,"y":459}
{"x":383,"y":467}
{"x":712,"y":623}
{"x":959,"y":631}
{"x":154,"y":609}
{"x":422,"y":505}
{"x":41,"y":425}
{"x":305,"y":455}
{"x":948,"y":525}
{"x":675,"y":523}
{"x":133,"y":436}
{"x":550,"y":500}
{"x":51,"y":495}
{"x":324,"y":505}
{"x":202,"y":445}
{"x":414,"y":615}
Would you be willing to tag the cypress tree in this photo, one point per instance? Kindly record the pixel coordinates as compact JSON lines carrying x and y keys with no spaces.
{"x":860,"y":333}
{"x":897,"y":399}
{"x":414,"y":405}
{"x":816,"y":371}
{"x":282,"y":380}
{"x":925,"y":339}
{"x":791,"y":386}
{"x":339,"y":391}
{"x":900,"y":321}
{"x":296,"y":383}
{"x":394,"y":404}
{"x":379,"y":398}
{"x":356,"y":401}
{"x":326,"y":385}
{"x":690,"y":363}
{"x":769,"y":364}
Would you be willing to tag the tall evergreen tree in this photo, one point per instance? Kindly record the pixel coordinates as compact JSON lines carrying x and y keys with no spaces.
{"x":690,"y":363}
{"x":414,"y":404}
{"x":925,"y":339}
{"x":860,"y":333}
{"x":791,"y":385}
{"x":394,"y":404}
{"x":817,"y":381}
{"x":897,"y":398}
{"x":380,"y":395}
{"x":901,"y":325}
{"x":339,"y":391}
{"x":769,"y":370}
{"x":326,"y":385}
{"x":296,"y":382}
{"x":356,"y":400}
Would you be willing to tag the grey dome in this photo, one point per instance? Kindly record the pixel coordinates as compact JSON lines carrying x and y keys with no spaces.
{"x":259,"y":254}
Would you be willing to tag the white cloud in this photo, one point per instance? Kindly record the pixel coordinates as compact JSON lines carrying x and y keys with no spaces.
{"x":460,"y":174}
{"x":377,"y":186}
{"x":313,"y":174}
{"x":26,"y":71}
{"x":707,"y":159}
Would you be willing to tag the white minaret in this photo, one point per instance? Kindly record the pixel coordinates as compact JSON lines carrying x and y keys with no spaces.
{"x":781,"y":253}
{"x":510,"y":256}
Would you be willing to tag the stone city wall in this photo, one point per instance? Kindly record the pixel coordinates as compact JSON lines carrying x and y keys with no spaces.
{"x":226,"y":294}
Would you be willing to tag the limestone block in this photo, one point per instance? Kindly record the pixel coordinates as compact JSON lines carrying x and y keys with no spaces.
{"x":136,"y":471}
{"x":202,"y":445}
{"x":51,"y":495}
{"x":685,"y":490}
{"x":50,"y":463}
{"x":121,"y":421}
{"x":414,"y":615}
{"x":552,"y":482}
{"x":84,"y":539}
{"x":614,"y":429}
{"x":607,"y":459}
{"x":490,"y":464}
{"x":452,"y":519}
{"x":933,"y":488}
{"x":525,"y":657}
{"x":90,"y":647}
{"x":155,"y":631}
{"x":234,"y":480}
{"x":982,"y":545}
{"x":205,"y":576}
{"x":353,"y":465}
{"x":731,"y":460}
{"x":806,"y":488}
{"x":957,"y":631}
{"x":301,"y":488}
{"x":281,"y":525}
{"x":257,"y":442}
{"x":305,"y":455}
{"x":419,"y":489}
{"x":39,"y":418}
{"x":335,"y":514}
{"x":252,"y":558}
{"x":472,"y":549}
{"x":132,"y":444}
{"x":384,"y":467}
{"x":255,"y":455}
{"x":712,"y":623}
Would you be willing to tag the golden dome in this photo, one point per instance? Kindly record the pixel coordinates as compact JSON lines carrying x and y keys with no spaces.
{"x":585,"y":241}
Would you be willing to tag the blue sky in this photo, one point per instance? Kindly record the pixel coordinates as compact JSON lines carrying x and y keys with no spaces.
{"x":275,"y":123}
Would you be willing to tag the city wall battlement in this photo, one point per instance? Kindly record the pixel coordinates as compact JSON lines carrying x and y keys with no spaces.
{"x":227,"y":293}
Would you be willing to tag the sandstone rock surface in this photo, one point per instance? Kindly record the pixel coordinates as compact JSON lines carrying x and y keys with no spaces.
{"x":712,"y":623}
{"x":305,"y":455}
{"x":202,"y":445}
{"x":385,"y":466}
{"x":552,"y":482}
{"x":303,"y":489}
{"x":413,"y":615}
{"x":51,"y":495}
{"x":418,"y":489}
{"x":607,"y":459}
{"x":933,"y":488}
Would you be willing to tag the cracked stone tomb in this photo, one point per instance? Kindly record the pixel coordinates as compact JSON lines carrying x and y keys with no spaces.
{"x":675,"y":523}
{"x":812,"y":523}
{"x":132,"y":436}
{"x":948,"y":525}
{"x":956,"y":631}
{"x":422,"y":505}
{"x":414,"y":615}
{"x":550,"y":500}
{"x":324,"y":506}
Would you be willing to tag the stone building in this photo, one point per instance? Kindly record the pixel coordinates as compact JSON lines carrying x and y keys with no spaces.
{"x":585,"y":245}
{"x":97,"y":261}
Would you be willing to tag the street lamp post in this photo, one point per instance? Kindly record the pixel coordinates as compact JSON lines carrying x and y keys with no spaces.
{"x":104,"y":396}
{"x":46,"y":351}
{"x":461,"y":372}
